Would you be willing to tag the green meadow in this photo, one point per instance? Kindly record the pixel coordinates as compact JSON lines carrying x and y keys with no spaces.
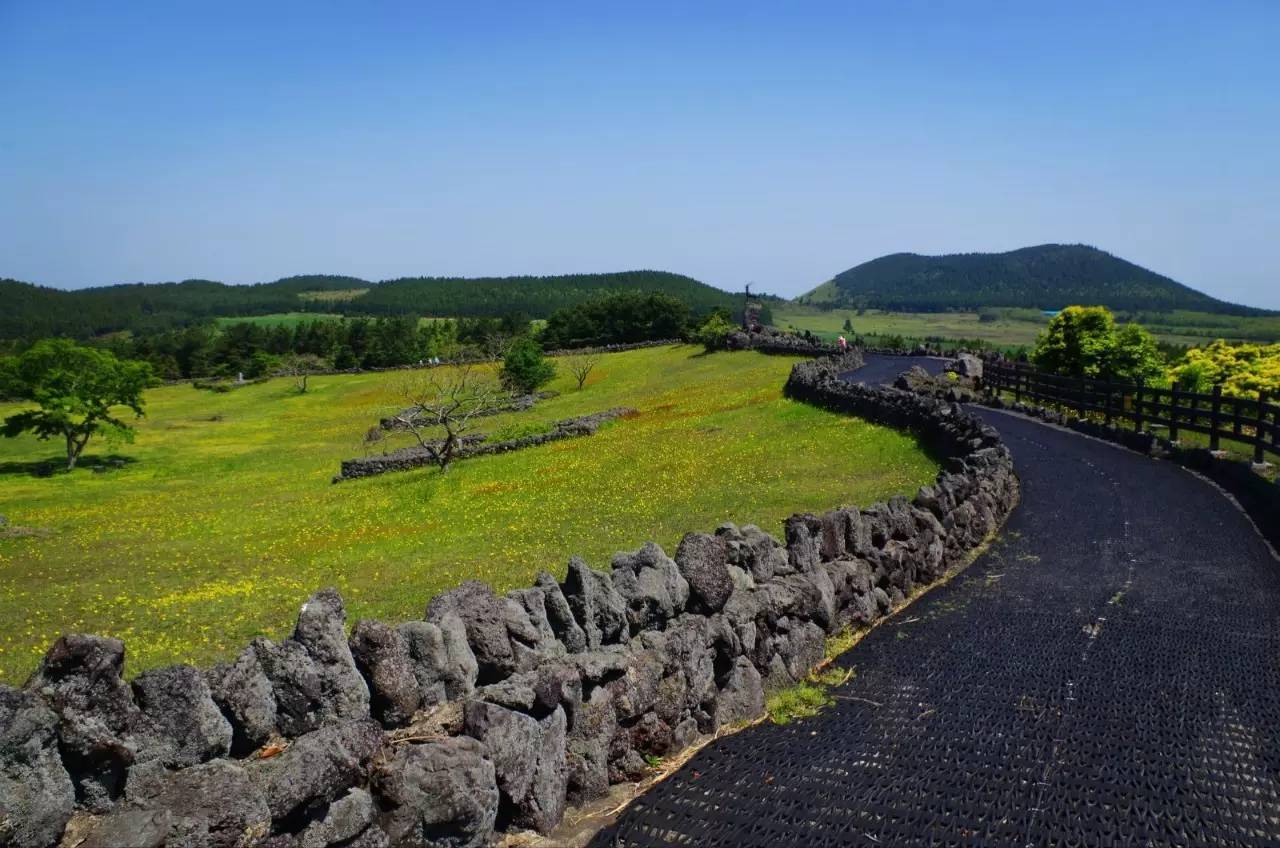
{"x":276,"y":319}
{"x":1017,"y":327}
{"x":224,"y":519}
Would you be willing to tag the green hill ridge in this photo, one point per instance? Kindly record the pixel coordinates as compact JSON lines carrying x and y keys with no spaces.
{"x":1047,"y":276}
{"x":32,"y":311}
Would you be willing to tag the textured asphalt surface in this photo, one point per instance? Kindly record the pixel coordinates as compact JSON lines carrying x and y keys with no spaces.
{"x":1107,"y":674}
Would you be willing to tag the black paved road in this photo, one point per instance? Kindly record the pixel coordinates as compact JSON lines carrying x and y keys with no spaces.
{"x":1108,"y":674}
{"x":882,"y":369}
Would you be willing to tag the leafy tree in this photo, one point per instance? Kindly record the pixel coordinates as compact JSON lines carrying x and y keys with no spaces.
{"x":848,"y":326}
{"x":1084,"y":341}
{"x":75,"y":389}
{"x":1135,"y":355}
{"x":1078,"y":342}
{"x":714,"y":334}
{"x":524,"y":368}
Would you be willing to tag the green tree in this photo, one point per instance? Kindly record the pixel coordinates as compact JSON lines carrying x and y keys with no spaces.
{"x":1084,"y":341}
{"x":714,"y":334}
{"x":848,"y":326}
{"x":75,"y":390}
{"x":1135,"y":355}
{"x":524,"y":368}
{"x":1078,"y":342}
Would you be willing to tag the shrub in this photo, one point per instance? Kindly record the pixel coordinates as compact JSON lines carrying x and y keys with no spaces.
{"x":524,"y":368}
{"x":714,"y":334}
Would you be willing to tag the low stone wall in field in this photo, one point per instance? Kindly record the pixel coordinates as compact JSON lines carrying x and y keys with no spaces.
{"x":476,"y":445}
{"x":494,"y":712}
{"x":775,"y":341}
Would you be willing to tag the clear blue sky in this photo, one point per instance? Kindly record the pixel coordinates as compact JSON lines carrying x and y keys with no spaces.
{"x":773,"y":142}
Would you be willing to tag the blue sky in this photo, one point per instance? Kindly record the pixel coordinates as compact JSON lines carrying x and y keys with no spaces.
{"x":777,"y":143}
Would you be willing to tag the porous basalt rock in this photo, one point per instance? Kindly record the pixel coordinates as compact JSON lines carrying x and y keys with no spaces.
{"x":36,"y":795}
{"x":652,"y":587}
{"x":437,"y":794}
{"x":596,"y":605}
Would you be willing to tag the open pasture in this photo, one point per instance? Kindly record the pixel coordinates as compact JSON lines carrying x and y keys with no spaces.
{"x":224,"y":518}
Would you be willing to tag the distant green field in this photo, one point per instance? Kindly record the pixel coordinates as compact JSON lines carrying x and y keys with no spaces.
{"x":915,"y":325}
{"x":225,"y":519}
{"x":330,"y":296}
{"x":1015,"y":327}
{"x":288,"y":319}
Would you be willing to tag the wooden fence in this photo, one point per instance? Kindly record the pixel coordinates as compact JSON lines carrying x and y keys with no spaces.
{"x":1253,"y":421}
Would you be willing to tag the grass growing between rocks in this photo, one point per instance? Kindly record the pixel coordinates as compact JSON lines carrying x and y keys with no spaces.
{"x":812,"y":695}
{"x":806,"y":698}
{"x":223,"y":518}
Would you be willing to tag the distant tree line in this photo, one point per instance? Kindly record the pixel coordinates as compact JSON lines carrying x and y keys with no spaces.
{"x":255,"y":350}
{"x":33,"y":312}
{"x":210,"y":349}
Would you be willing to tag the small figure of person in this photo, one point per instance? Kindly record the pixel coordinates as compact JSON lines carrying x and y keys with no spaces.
{"x":844,"y":344}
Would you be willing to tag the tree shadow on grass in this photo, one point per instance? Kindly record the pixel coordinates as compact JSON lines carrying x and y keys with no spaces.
{"x":92,"y":463}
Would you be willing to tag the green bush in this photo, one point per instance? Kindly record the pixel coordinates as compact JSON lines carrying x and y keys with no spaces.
{"x":714,"y":334}
{"x":524,"y":368}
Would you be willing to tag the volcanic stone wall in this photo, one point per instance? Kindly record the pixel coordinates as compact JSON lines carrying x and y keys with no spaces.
{"x":477,"y":445}
{"x":493,"y":712}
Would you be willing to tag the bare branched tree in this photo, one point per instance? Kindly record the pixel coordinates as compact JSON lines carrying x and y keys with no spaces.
{"x":373,"y":436}
{"x":497,"y":343}
{"x":443,"y":405}
{"x":300,"y":366}
{"x":580,"y":365}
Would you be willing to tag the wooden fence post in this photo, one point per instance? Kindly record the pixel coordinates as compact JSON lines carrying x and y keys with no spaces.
{"x":1137,"y":406}
{"x":1017,"y":384}
{"x":1106,"y":402}
{"x":1257,"y":427}
{"x":1173,"y":412}
{"x":1215,"y":415}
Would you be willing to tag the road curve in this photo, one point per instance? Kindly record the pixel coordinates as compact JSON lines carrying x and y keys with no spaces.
{"x":1107,"y":674}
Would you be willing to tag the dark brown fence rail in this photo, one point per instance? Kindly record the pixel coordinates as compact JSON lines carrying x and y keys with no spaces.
{"x":1252,"y":421}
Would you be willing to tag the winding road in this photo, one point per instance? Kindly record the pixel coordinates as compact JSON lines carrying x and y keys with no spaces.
{"x":1107,"y":674}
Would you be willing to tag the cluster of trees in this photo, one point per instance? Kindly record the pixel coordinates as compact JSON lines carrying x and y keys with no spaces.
{"x":255,"y":350}
{"x":1086,"y":341}
{"x":34,"y":312}
{"x":539,"y":297}
{"x":1242,"y":370}
{"x":621,"y":318}
{"x":211,"y":350}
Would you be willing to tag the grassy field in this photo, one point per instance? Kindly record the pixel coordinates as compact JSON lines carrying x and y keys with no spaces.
{"x":288,"y":319}
{"x":1016,"y":327}
{"x":225,"y":519}
{"x":1007,"y":331}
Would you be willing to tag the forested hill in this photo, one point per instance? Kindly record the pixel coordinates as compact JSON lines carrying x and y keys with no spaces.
{"x":33,"y":311}
{"x":536,"y":297}
{"x":1049,"y":276}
